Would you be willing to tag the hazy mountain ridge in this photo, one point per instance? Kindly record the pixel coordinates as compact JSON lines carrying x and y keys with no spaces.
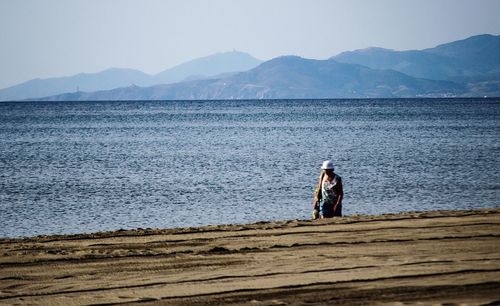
{"x":414,"y":63}
{"x":474,"y":62}
{"x":107,"y":79}
{"x":476,"y":51}
{"x":286,"y":77}
{"x":208,"y":66}
{"x":211,"y":66}
{"x":468,"y":67}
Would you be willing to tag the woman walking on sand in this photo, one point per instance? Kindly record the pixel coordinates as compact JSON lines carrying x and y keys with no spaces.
{"x":329,"y":192}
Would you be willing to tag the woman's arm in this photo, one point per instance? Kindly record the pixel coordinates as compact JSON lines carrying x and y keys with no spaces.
{"x":340,"y":193}
{"x":317,"y":195}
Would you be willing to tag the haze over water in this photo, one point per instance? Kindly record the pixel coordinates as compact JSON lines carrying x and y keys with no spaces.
{"x":83,"y":167}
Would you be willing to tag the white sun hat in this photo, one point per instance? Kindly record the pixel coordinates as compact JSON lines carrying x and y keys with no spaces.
{"x":327,"y":165}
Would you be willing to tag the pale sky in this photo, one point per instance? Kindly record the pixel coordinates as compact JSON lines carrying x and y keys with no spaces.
{"x":52,"y":38}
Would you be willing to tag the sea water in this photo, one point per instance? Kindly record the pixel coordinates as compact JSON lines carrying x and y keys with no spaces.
{"x":71,"y":167}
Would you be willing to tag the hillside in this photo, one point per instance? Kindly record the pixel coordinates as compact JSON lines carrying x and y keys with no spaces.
{"x":201,"y":68}
{"x":205,"y":67}
{"x":287,"y":77}
{"x":469,"y":67}
{"x":473,"y":62}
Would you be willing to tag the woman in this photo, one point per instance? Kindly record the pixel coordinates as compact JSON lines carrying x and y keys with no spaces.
{"x":329,"y":192}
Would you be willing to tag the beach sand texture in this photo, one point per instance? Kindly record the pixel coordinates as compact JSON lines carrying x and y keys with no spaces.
{"x":439,"y":257}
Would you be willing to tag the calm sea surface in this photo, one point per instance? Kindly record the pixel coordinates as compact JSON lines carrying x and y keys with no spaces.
{"x":91,"y":166}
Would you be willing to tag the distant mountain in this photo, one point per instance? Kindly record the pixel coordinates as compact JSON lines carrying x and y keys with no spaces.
{"x":414,"y":63}
{"x":106,"y":79}
{"x":205,"y":67}
{"x":477,"y":55}
{"x":474,"y":61}
{"x":287,"y":77}
{"x":208,"y":66}
{"x":469,"y":67}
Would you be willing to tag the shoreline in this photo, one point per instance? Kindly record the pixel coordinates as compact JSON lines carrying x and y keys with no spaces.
{"x":237,"y":226}
{"x":429,"y":257}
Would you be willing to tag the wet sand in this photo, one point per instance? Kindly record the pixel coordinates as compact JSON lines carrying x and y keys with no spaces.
{"x":440,"y":257}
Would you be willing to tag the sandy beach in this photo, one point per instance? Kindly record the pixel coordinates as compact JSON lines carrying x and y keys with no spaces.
{"x":420,"y":258}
